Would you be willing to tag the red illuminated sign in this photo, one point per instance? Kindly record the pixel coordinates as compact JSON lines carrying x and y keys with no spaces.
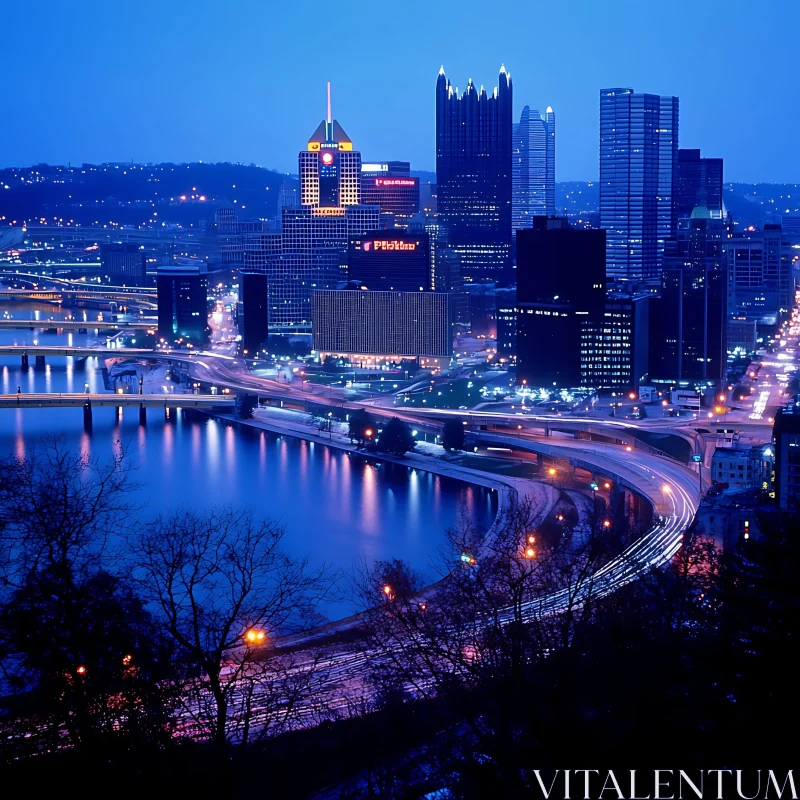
{"x":394,"y":182}
{"x":389,"y":244}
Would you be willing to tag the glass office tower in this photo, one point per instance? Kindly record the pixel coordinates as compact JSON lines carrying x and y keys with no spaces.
{"x":638,"y":175}
{"x":534,"y":169}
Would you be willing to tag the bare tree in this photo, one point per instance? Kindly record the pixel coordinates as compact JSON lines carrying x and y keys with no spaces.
{"x":59,"y":506}
{"x":225,"y":589}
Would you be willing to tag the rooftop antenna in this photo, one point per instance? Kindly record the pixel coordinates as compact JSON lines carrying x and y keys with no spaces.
{"x":330,"y":119}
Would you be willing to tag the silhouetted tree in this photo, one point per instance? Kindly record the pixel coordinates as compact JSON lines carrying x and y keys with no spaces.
{"x":89,"y":661}
{"x":226,"y":589}
{"x":453,"y":435}
{"x":362,"y":427}
{"x":396,"y":438}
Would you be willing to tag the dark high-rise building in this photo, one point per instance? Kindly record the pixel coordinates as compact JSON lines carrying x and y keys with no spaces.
{"x":699,"y":184}
{"x":534,"y":167}
{"x":124,"y":263}
{"x":182,"y":302}
{"x":474,"y":175}
{"x":373,"y":328}
{"x":561,"y":286}
{"x":638,"y":175}
{"x":391,"y":260}
{"x":507,"y":322}
{"x":262,"y":252}
{"x":389,"y":184}
{"x":690,"y":318}
{"x":786,"y":436}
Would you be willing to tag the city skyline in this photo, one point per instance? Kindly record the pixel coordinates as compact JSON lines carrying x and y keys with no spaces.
{"x":241,"y":72}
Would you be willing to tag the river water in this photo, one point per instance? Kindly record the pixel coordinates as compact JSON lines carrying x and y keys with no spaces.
{"x":339,"y":508}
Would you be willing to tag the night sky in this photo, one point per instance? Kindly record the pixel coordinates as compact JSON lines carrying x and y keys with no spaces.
{"x":244,"y":80}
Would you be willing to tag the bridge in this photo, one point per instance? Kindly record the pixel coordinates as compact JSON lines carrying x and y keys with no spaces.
{"x":78,"y":325}
{"x":64,"y":295}
{"x":210,"y":402}
{"x":40,"y":351}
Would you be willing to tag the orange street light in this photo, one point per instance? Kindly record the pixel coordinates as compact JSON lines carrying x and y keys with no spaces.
{"x":606,"y":523}
{"x":560,"y":517}
{"x":632,"y":396}
{"x":722,"y":398}
{"x":530,"y":553}
{"x":551,"y":471}
{"x":606,"y":485}
{"x":629,"y":448}
{"x":531,"y":539}
{"x":368,"y":432}
{"x":254,"y":636}
{"x":387,"y":590}
{"x":81,"y":670}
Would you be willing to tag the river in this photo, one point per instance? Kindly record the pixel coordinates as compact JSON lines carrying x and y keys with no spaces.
{"x":339,"y":508}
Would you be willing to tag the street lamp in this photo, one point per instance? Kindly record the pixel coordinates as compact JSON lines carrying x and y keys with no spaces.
{"x":330,"y":425}
{"x":255,"y":636}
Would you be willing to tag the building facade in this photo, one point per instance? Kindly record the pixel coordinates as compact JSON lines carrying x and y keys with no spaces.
{"x":786,"y":439}
{"x":474,"y":175}
{"x":561,"y":288}
{"x":389,"y":185}
{"x":699,"y":184}
{"x":391,"y":260}
{"x":374,"y":327}
{"x":533,"y":190}
{"x":182,"y":302}
{"x":690,"y":320}
{"x":760,"y":282}
{"x":614,"y":344}
{"x":125,"y":264}
{"x":638,"y":177}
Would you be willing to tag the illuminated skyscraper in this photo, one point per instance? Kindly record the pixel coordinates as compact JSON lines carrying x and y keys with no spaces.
{"x":315,"y":235}
{"x":330,"y":170}
{"x":473,"y":175}
{"x":534,"y":168}
{"x":638,"y":181}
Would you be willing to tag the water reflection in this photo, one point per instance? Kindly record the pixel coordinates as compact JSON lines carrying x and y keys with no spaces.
{"x":338,"y":507}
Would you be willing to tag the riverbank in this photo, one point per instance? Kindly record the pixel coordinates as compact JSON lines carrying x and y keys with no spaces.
{"x":508,"y":490}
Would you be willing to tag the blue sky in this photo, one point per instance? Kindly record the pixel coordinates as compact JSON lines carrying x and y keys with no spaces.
{"x":244,"y":80}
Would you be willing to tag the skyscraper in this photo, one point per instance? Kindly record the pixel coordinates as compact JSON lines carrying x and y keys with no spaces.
{"x":533,"y":170}
{"x":699,"y":184}
{"x":561,"y":287}
{"x":473,"y":175}
{"x":638,"y":175}
{"x":689,"y":319}
{"x":315,"y":235}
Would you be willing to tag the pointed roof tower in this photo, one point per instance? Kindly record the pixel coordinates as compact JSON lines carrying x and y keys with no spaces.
{"x":329,"y":132}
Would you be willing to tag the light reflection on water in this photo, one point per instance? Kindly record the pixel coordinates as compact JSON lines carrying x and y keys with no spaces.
{"x":340,"y":508}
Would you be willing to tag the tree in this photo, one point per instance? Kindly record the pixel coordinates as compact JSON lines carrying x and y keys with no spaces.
{"x":362,"y":427}
{"x":90,"y":662}
{"x":396,"y":438}
{"x":58,"y":507}
{"x":225,"y":590}
{"x":453,"y":435}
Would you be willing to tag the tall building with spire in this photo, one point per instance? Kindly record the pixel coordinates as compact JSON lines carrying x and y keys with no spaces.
{"x":315,"y":234}
{"x":473,"y":175}
{"x":534,"y":167}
